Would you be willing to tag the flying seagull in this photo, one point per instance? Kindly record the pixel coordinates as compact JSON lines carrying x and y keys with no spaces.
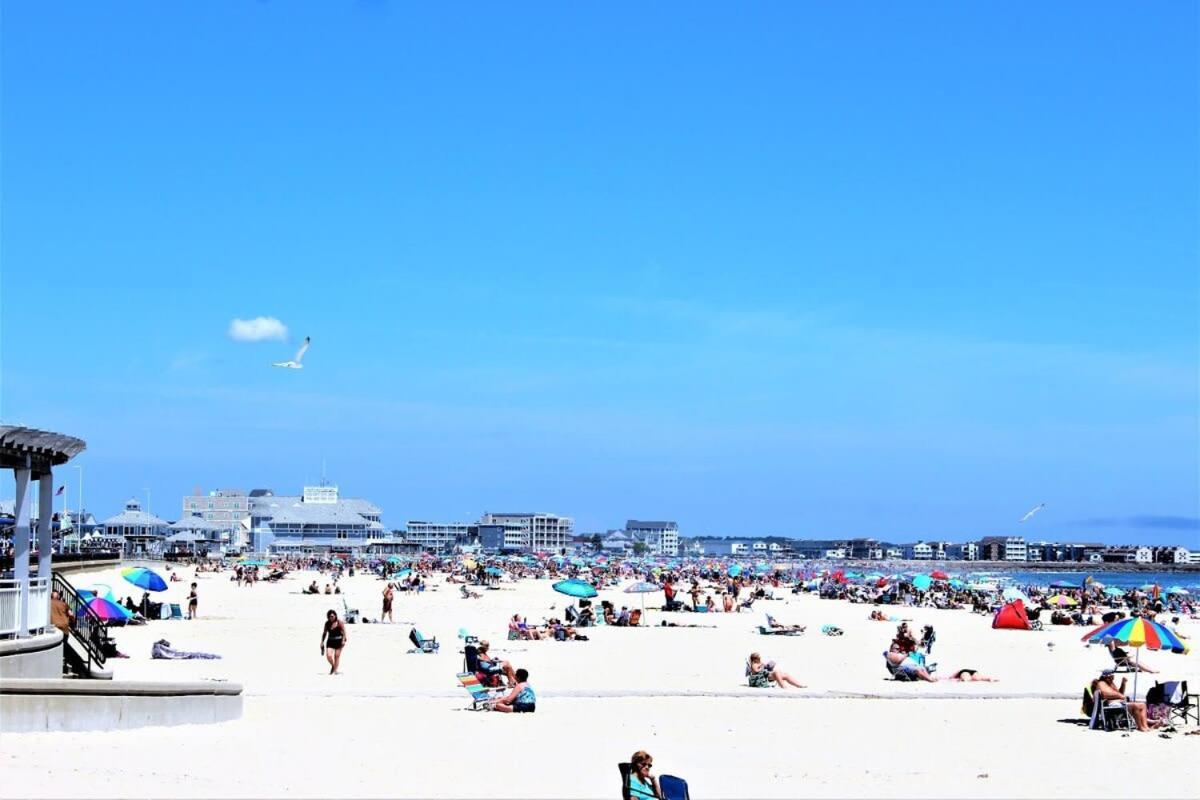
{"x":295,"y":362}
{"x":1025,"y":518}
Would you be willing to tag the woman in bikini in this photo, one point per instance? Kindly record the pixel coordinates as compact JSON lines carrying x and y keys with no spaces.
{"x":333,"y":640}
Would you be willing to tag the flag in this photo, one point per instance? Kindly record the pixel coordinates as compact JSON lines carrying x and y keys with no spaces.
{"x":61,"y":489}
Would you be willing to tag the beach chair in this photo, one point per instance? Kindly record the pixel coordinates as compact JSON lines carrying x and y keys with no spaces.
{"x":349,"y":614}
{"x":673,"y":788}
{"x":481,"y":696}
{"x":176,"y":611}
{"x":1104,"y":716}
{"x":422,"y":644}
{"x":625,"y":768}
{"x":471,"y":664}
{"x":1173,"y":694}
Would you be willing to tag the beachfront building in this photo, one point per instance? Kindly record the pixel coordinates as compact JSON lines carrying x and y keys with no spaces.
{"x":617,"y":542}
{"x":922,"y":551}
{"x":661,"y":538}
{"x":226,"y":507}
{"x":1128,"y":555}
{"x":1172,"y":555}
{"x":533,"y":532}
{"x":437,"y":537}
{"x":195,"y":535}
{"x":141,"y":532}
{"x":1015,"y":549}
{"x":319,"y":520}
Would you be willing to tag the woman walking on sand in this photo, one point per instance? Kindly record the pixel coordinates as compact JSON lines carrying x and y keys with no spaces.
{"x":333,"y":639}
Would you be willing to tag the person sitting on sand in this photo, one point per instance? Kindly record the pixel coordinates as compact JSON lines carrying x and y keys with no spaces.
{"x":1104,"y":691}
{"x":610,"y":616}
{"x":623,"y":617}
{"x":761,"y":675}
{"x":900,"y":661}
{"x":521,"y":699}
{"x":328,"y":589}
{"x":878,"y":616}
{"x":492,"y":665}
{"x":967,"y":675}
{"x":312,"y":588}
{"x":727,"y":602}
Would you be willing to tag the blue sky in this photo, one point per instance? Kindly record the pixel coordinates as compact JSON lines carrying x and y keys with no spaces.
{"x":805,"y":269}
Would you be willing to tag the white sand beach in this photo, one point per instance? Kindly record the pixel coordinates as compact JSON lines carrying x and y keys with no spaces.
{"x":395,"y":724}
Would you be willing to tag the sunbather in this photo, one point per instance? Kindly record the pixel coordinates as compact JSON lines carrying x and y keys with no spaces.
{"x":779,"y":626}
{"x":899,"y":662}
{"x":495,"y":665}
{"x":1121,"y":658}
{"x":1104,"y":690}
{"x":760,"y":675}
{"x":966,"y":675}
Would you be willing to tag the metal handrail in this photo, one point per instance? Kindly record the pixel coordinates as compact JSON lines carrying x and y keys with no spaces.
{"x":88,"y":627}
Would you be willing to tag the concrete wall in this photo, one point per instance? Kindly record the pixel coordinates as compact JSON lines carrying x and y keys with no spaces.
{"x":76,"y":705}
{"x":32,"y":657}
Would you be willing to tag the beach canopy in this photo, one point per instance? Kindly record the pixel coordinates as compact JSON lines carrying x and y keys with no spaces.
{"x":1012,"y":617}
{"x":575,"y":588}
{"x":1064,"y":585}
{"x":1137,"y":632}
{"x":144,"y":578}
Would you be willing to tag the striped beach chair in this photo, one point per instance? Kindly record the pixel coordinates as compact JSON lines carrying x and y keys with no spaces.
{"x":481,"y":696}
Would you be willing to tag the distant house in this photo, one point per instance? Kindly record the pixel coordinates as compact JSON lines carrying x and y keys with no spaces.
{"x":922,"y":551}
{"x":141,"y":532}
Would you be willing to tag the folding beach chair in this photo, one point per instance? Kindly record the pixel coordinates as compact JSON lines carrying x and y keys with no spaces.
{"x":1104,"y":716}
{"x":673,"y":788}
{"x":176,"y":611}
{"x":422,"y":644}
{"x":481,"y":696}
{"x":1173,"y":694}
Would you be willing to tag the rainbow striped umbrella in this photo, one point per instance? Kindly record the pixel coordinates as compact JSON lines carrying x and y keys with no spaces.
{"x":1137,"y":632}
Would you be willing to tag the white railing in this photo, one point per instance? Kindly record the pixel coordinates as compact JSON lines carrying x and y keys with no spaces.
{"x":10,"y":606}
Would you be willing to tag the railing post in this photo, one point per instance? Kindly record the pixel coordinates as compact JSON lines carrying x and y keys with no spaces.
{"x":21,"y":548}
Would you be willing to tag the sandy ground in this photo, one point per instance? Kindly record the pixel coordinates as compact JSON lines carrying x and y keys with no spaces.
{"x":394,"y":723}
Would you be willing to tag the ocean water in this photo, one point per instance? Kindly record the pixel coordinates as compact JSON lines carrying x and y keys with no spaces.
{"x":1121,"y":580}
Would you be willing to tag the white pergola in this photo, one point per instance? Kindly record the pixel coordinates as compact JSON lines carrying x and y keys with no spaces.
{"x":32,"y":455}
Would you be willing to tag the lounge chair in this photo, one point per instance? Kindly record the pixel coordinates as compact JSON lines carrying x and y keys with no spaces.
{"x":422,"y":644}
{"x":481,"y":696}
{"x":773,"y":628}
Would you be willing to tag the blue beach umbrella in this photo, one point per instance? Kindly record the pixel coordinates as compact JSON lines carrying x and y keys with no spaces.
{"x":735,"y":570}
{"x":496,"y":571}
{"x":955,"y":583}
{"x":404,"y":573}
{"x":922,"y":582}
{"x":394,"y":559}
{"x":1113,"y":591}
{"x":575,"y":588}
{"x":144,"y":578}
{"x":1177,"y":590}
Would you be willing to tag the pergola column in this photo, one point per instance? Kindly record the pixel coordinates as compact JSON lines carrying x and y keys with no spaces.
{"x":45,"y":523}
{"x":21,"y":547}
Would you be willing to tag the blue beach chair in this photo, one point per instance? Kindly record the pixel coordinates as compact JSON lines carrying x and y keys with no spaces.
{"x":422,"y":644}
{"x":673,"y":788}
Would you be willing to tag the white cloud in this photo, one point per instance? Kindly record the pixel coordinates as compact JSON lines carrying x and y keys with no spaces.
{"x":259,"y":329}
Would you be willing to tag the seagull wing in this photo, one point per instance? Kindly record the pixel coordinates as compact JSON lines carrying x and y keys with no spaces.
{"x":1033,"y":511}
{"x":303,"y":347}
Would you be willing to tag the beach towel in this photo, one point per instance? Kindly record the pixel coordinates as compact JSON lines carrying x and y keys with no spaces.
{"x":162,"y":649}
{"x":831,"y":630}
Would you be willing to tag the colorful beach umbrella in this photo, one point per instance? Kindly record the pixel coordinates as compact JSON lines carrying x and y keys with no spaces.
{"x":575,"y":588}
{"x":1062,"y":600}
{"x":106,"y":609}
{"x":1137,"y":632}
{"x":144,"y":578}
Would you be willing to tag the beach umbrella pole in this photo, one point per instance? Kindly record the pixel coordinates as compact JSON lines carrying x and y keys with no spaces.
{"x":1137,"y":667}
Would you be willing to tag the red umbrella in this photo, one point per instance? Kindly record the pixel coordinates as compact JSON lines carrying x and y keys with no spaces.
{"x":938,"y":575}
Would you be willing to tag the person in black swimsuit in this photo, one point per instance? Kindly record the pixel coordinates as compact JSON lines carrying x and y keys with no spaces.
{"x":333,"y":639}
{"x":193,"y":600}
